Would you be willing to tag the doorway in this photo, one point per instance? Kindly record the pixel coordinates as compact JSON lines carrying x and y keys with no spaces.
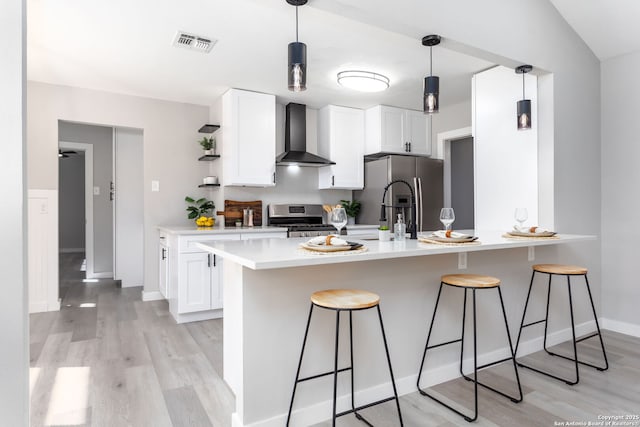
{"x":456,"y":148}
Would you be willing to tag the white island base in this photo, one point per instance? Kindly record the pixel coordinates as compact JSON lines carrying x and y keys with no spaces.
{"x":267,"y":285}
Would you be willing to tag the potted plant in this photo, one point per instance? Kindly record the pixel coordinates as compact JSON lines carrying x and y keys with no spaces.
{"x":384,"y":234}
{"x":352,"y":208}
{"x":208,"y":145}
{"x":200,"y":211}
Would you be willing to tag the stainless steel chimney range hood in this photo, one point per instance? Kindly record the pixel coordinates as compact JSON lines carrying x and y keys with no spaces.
{"x":295,"y":140}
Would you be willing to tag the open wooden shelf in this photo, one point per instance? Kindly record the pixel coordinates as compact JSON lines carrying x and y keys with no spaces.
{"x":208,"y":185}
{"x":209,"y":157}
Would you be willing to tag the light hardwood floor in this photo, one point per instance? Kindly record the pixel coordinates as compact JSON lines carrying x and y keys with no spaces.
{"x":108,"y":359}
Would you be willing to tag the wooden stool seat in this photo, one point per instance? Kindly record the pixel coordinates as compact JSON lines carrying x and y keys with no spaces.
{"x":345,"y":299}
{"x":560,"y":269}
{"x":470,"y":280}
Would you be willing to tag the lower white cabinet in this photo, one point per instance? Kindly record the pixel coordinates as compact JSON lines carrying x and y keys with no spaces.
{"x":191,"y":277}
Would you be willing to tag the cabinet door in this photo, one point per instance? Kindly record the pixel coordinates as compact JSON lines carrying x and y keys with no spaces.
{"x":417,"y":132}
{"x":195,"y":282}
{"x":341,"y":138}
{"x":394,"y":139}
{"x":249,"y":138}
{"x":163,"y":274}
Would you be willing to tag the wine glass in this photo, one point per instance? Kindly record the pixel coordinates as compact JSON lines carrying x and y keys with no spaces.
{"x":521,"y":215}
{"x":447,"y":216}
{"x":338,"y":218}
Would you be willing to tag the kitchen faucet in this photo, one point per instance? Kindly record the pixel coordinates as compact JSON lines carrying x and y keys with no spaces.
{"x":383,"y":210}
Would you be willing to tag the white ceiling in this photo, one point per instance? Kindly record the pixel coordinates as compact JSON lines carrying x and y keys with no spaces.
{"x":609,"y":27}
{"x":125,"y":47}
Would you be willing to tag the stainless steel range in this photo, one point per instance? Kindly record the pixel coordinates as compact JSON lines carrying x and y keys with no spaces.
{"x":300,"y":220}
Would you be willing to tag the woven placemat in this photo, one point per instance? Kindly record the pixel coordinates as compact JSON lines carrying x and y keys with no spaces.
{"x":435,"y":242}
{"x":337,"y":253}
{"x":509,"y":236}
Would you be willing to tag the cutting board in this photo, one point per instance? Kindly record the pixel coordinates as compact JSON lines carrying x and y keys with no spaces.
{"x":233,"y":212}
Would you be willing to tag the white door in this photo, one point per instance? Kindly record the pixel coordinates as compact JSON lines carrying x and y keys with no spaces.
{"x":129,"y":207}
{"x":393,"y":138}
{"x":194,"y":293}
{"x":417,"y":132}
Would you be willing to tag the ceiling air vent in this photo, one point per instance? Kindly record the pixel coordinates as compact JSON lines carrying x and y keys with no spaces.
{"x":193,"y":42}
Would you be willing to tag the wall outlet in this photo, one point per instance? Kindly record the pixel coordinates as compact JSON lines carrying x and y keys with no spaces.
{"x":96,"y":191}
{"x":462,"y":260}
{"x":155,"y":185}
{"x":531,"y":253}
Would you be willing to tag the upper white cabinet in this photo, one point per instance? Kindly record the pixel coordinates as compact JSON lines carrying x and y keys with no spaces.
{"x":248,"y":138}
{"x":341,"y":138}
{"x":396,"y":130}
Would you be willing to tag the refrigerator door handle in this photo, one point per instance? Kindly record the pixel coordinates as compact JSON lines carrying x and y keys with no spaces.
{"x":416,"y":190}
{"x":420,"y":193}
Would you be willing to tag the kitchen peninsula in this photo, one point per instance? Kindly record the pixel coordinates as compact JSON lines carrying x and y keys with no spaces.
{"x":267,"y":285}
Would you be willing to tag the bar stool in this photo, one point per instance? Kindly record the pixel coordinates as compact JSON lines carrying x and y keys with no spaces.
{"x":348,"y":300}
{"x":471,"y":282}
{"x":562,"y":270}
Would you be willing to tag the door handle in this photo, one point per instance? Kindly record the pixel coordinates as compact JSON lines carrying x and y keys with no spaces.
{"x":164,"y":254}
{"x":333,"y":180}
{"x":274,"y":177}
{"x":409,"y":147}
{"x":214,"y":260}
{"x":209,"y":260}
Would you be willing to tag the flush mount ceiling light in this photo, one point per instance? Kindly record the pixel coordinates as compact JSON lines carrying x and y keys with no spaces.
{"x":363,"y":81}
{"x":297,"y":68}
{"x":431,"y":96}
{"x":524,"y":106}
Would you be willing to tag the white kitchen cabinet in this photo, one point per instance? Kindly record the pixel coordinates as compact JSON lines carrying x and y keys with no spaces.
{"x":341,"y":136}
{"x":397,"y":131}
{"x":195,"y":277}
{"x":248,"y":138}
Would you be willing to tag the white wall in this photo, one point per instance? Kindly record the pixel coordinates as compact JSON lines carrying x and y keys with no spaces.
{"x":620,"y":181}
{"x":101,"y":138}
{"x":14,"y":332}
{"x":71,"y":209}
{"x":505,"y":159}
{"x":170,"y":148}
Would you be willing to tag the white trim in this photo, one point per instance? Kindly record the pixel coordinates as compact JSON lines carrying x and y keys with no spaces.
{"x":88,"y":200}
{"x":70,"y":250}
{"x":151,"y":296}
{"x":621,"y":327}
{"x":406,"y":385}
{"x":443,"y":152}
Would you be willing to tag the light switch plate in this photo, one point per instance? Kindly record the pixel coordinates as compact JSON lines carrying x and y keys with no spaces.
{"x":96,"y":191}
{"x":531,"y":253}
{"x":155,"y":185}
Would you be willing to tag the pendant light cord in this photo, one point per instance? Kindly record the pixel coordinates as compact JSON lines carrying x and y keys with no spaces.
{"x":296,"y":24}
{"x":430,"y":61}
{"x":523,"y":85}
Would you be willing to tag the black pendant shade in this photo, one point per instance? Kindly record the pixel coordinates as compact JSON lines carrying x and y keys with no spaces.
{"x":297,"y":65}
{"x":524,"y":106}
{"x":431,"y":95}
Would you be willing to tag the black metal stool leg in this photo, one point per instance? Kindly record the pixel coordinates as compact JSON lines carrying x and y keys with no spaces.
{"x":426,"y":346}
{"x":335,"y":368}
{"x":595,"y":317}
{"x":475,"y":360}
{"x":524,"y":313}
{"x":464,"y":322}
{"x":295,"y":384}
{"x":546,"y":316}
{"x":513,"y":354}
{"x":393,"y":382}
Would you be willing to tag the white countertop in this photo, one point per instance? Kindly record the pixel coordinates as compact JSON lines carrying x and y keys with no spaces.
{"x":192,"y":230}
{"x":279,"y":253}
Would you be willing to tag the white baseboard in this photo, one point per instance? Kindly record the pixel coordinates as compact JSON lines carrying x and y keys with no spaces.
{"x":101,"y":275}
{"x":318,"y":413}
{"x":71,"y":250}
{"x":151,"y":296}
{"x":41,"y":307}
{"x":620,"y":327}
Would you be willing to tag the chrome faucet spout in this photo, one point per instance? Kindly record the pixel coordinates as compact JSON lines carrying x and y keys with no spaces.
{"x":383,"y":209}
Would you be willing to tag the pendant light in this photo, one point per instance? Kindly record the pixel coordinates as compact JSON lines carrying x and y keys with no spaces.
{"x":297,"y":68}
{"x":524,"y":106}
{"x":431,"y":97}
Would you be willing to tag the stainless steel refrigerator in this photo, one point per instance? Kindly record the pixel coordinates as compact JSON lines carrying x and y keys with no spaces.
{"x":422,"y":173}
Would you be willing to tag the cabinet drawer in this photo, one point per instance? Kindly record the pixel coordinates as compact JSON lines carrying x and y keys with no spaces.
{"x":188,"y":243}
